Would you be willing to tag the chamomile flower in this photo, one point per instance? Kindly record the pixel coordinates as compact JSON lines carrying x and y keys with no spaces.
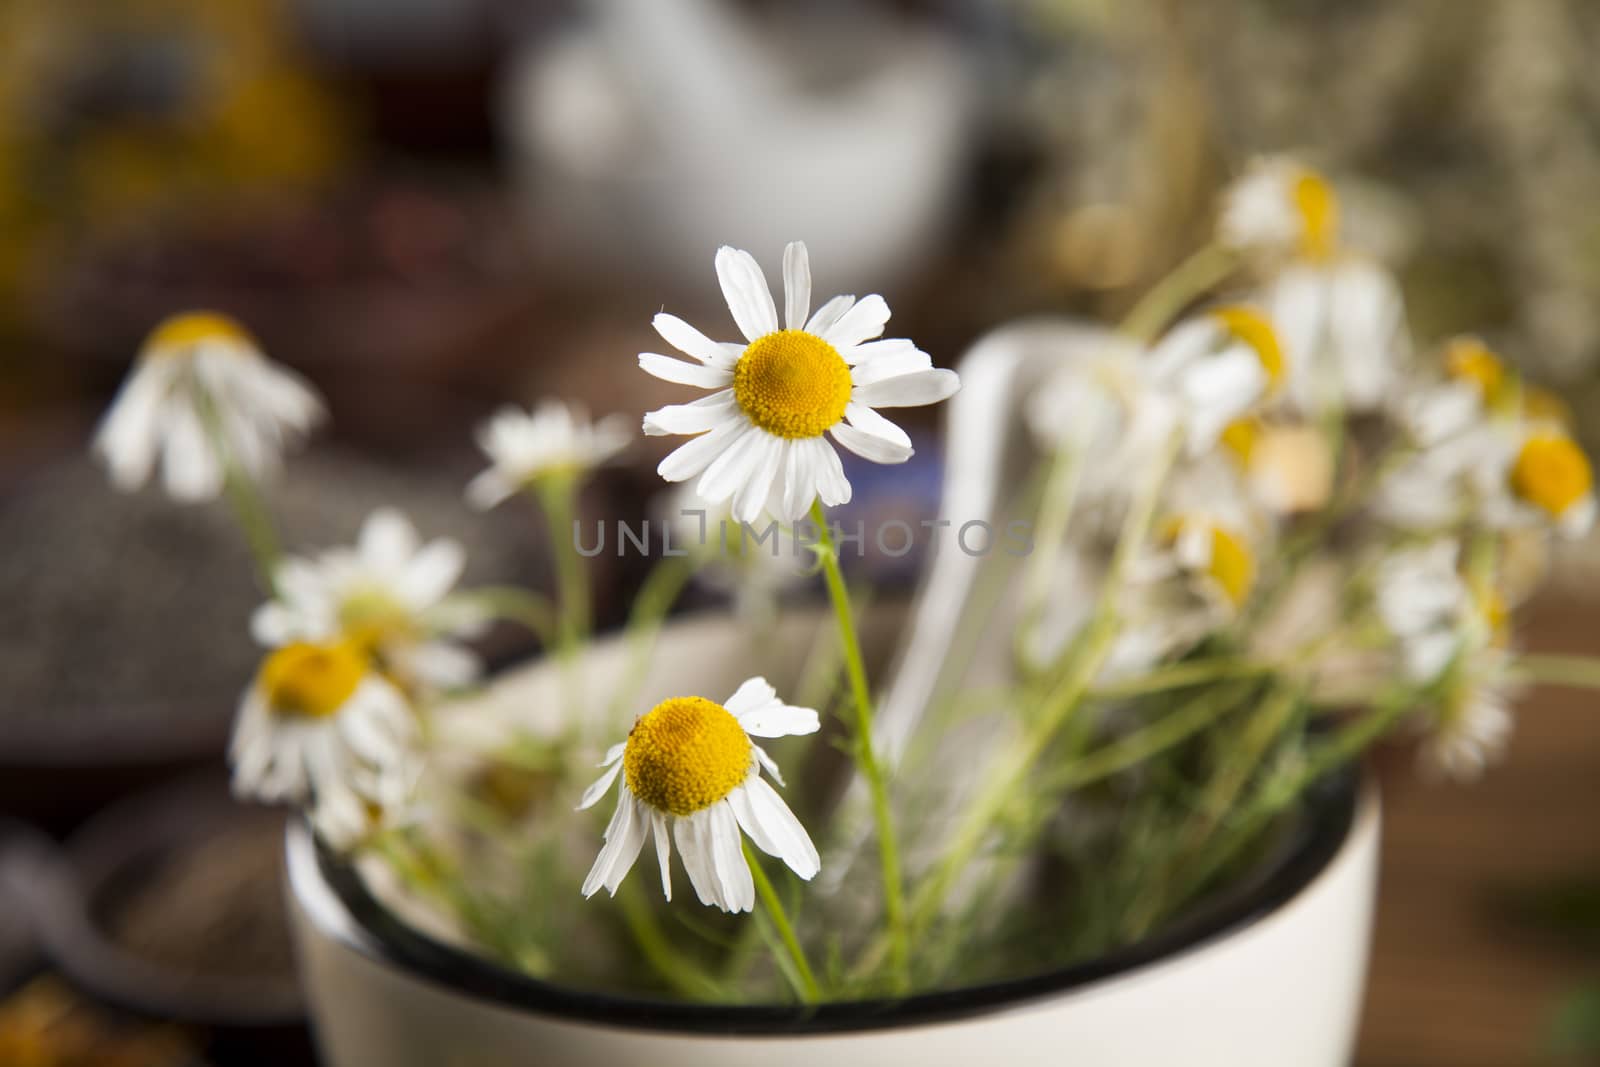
{"x":1547,"y":480}
{"x":320,"y":727}
{"x":1217,"y":364}
{"x":1280,"y":207}
{"x":689,"y":771}
{"x":202,"y":397}
{"x":1421,"y":598}
{"x":388,"y":595}
{"x":553,"y":441}
{"x":1470,"y":726}
{"x":760,"y":432}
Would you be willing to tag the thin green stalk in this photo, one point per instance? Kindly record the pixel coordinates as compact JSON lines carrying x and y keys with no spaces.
{"x":1055,"y":512}
{"x":1181,"y":675}
{"x":244,"y":499}
{"x":1577,"y":672}
{"x":558,"y":499}
{"x":866,"y":750}
{"x":808,"y":989}
{"x":657,"y":950}
{"x":1135,"y":748}
{"x":1189,"y":280}
{"x":515,"y":604}
{"x":1087,"y":659}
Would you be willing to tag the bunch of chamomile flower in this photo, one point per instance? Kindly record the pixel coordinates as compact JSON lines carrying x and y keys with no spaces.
{"x":1269,"y":528}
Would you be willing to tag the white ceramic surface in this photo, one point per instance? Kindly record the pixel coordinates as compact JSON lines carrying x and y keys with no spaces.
{"x":1282,"y":991}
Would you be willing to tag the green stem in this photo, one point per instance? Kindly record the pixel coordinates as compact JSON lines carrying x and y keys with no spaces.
{"x":809,"y":991}
{"x":250,"y":511}
{"x":1181,"y":675}
{"x":1133,"y":749}
{"x":1055,"y":512}
{"x":658,"y":951}
{"x":866,"y":751}
{"x":515,"y":604}
{"x":1167,"y":298}
{"x":1087,"y":659}
{"x":1577,"y":672}
{"x":558,"y":497}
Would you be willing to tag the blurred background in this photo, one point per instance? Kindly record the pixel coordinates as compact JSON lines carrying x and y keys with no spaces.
{"x":431,"y":207}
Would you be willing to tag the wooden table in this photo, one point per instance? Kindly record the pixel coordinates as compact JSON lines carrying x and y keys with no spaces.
{"x":1455,"y":982}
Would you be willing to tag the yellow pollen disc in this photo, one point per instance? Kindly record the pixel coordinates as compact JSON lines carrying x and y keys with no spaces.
{"x":1232,"y":566}
{"x":1318,"y":206}
{"x":1467,"y":359}
{"x":1239,"y":437}
{"x":1551,"y":473}
{"x":176,"y":335}
{"x":1250,"y":326}
{"x":312,"y":681}
{"x":686,"y":754}
{"x":792,"y":384}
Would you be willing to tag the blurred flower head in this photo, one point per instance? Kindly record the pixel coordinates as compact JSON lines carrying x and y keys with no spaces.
{"x":204,"y":400}
{"x":555,"y":441}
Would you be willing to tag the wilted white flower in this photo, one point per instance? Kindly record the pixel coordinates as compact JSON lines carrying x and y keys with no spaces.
{"x":1422,"y":601}
{"x":690,"y":771}
{"x":1344,"y":335}
{"x":555,"y":440}
{"x":1216,"y":365}
{"x":761,"y":430}
{"x":388,"y":595}
{"x":1469,"y":728}
{"x":319,"y":727}
{"x":201,"y":397}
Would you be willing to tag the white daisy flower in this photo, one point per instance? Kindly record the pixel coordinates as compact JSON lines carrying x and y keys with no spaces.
{"x":201,"y":384}
{"x":1280,"y":207}
{"x":761,"y":430}
{"x":555,"y":440}
{"x":1470,"y":728}
{"x":1421,"y":600}
{"x":1539,"y":476}
{"x":389,"y":595}
{"x":319,"y":727}
{"x":1217,"y":365}
{"x":689,"y":766}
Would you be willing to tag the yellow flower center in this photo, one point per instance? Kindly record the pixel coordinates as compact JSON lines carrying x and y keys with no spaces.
{"x":1467,"y":359}
{"x":1239,"y":437}
{"x":685,"y":754}
{"x":311,"y":681}
{"x":1551,"y":473}
{"x":179,"y":333}
{"x":1253,"y":328}
{"x":1318,"y":206}
{"x":792,"y":384}
{"x":1232,"y":566}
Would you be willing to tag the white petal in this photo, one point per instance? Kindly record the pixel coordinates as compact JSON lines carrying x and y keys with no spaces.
{"x":864,"y":321}
{"x":658,"y":823}
{"x":690,"y":341}
{"x":750,"y":499}
{"x":903,"y":358}
{"x":832,"y":486}
{"x":272,"y":624}
{"x":694,"y":845}
{"x":682,"y":372}
{"x":776,"y":719}
{"x":729,"y":470}
{"x":729,"y":866}
{"x":695,"y":417}
{"x":768,"y":764}
{"x":870,"y":446}
{"x":387,"y":541}
{"x":431,"y":573}
{"x":745,"y":289}
{"x":909,"y":390}
{"x":798,"y":482}
{"x":751,"y":694}
{"x":828,"y":314}
{"x":796,"y":285}
{"x":695,"y":456}
{"x":130,"y":433}
{"x":441,"y":664}
{"x":190,"y":466}
{"x":614,"y":753}
{"x":865,"y":419}
{"x":624,"y":840}
{"x":489,"y":489}
{"x":762,"y":812}
{"x":598,"y":787}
